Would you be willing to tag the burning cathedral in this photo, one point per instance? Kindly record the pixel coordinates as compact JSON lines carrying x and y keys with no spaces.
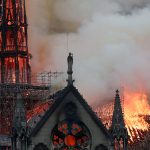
{"x":68,"y":123}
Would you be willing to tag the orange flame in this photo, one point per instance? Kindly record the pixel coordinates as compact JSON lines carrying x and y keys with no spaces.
{"x":136,"y":107}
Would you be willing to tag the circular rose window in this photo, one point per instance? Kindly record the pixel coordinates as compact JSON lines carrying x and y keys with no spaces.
{"x":70,"y":135}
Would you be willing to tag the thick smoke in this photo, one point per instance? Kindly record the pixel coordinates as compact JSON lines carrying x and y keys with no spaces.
{"x":109,"y":39}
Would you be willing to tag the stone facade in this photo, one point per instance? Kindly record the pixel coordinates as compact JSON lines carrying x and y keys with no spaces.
{"x":99,"y":135}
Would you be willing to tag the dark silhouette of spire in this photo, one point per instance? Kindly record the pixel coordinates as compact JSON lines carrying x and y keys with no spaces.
{"x":15,"y":69}
{"x":14,"y":53}
{"x":118,"y":118}
{"x":19,"y":118}
{"x":118,"y":129}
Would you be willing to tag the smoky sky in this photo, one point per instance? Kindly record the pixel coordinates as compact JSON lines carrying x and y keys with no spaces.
{"x":68,"y":15}
{"x":109,"y":40}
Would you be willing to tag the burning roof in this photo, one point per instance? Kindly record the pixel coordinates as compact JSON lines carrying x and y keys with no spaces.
{"x":136,"y":115}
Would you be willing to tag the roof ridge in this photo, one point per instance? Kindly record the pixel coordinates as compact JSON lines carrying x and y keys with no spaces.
{"x":58,"y":98}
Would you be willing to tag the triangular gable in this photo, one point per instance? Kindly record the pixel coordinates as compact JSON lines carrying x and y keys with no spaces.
{"x":58,"y":99}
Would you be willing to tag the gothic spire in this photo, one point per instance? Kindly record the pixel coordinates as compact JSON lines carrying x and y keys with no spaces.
{"x":70,"y":71}
{"x":19,"y":118}
{"x":118,"y":130}
{"x":19,"y":127}
{"x":118,"y":118}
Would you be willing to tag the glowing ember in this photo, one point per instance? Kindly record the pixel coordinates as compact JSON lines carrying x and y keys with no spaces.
{"x":39,"y":109}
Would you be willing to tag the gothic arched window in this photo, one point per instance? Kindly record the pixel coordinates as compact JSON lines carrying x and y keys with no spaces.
{"x":40,"y":146}
{"x":70,"y":135}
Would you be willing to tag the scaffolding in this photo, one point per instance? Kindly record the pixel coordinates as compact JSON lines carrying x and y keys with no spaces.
{"x":36,"y":92}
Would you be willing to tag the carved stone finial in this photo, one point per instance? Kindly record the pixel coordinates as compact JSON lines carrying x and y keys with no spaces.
{"x":70,"y":71}
{"x":117,"y":91}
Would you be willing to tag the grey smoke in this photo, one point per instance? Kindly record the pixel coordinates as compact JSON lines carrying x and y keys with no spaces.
{"x":109,"y":39}
{"x":62,"y":15}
